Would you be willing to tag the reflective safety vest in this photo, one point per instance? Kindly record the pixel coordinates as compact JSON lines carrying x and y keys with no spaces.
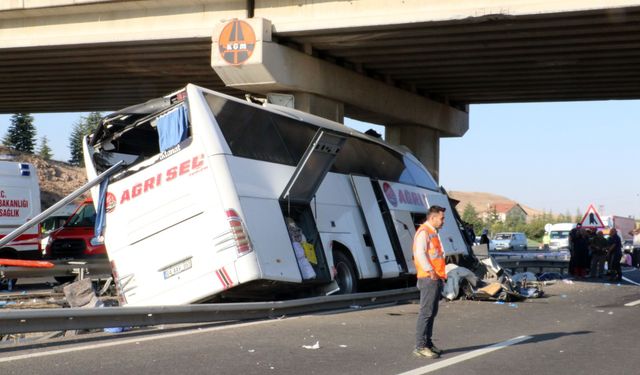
{"x":435,"y":254}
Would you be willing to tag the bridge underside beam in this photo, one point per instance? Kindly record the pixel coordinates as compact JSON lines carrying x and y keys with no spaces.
{"x":277,"y":68}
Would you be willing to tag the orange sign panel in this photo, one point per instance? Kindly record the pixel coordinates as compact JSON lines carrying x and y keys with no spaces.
{"x":237,"y":42}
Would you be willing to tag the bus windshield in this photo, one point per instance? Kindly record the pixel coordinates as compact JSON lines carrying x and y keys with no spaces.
{"x":559,"y":234}
{"x":84,"y":217}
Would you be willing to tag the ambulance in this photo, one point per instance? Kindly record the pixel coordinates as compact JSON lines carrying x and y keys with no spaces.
{"x":19,"y":202}
{"x":223,"y":198}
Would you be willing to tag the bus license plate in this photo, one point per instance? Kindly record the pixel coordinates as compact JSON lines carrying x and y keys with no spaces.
{"x":177,"y":268}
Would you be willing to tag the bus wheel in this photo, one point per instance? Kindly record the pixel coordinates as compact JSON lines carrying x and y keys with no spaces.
{"x":345,"y":273}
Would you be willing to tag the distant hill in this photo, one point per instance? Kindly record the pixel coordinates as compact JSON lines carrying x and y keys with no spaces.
{"x":482,"y":201}
{"x":57,"y":179}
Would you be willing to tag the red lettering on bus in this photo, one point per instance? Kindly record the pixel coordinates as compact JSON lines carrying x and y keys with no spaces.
{"x":136,"y":190}
{"x":197,"y":162}
{"x":184,"y":167}
{"x":125,"y":196}
{"x":172,"y":173}
{"x":148,"y":184}
{"x":416,"y":198}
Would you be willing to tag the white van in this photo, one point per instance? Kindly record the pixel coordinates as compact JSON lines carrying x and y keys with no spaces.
{"x":224,"y":198}
{"x":19,"y":202}
{"x":559,"y":235}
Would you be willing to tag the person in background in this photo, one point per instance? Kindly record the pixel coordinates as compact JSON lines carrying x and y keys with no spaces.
{"x":546,"y":239}
{"x":598,"y":247}
{"x":635,"y":253}
{"x":580,"y":256}
{"x":614,"y":255}
{"x":428,"y":257}
{"x":469,"y":233}
{"x":573,"y":234}
{"x":484,"y":238}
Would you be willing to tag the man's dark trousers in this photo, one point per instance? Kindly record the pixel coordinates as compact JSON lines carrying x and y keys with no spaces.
{"x":615,"y":266}
{"x":429,"y":298}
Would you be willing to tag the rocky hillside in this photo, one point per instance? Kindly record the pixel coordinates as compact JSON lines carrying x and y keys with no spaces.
{"x":57,"y":179}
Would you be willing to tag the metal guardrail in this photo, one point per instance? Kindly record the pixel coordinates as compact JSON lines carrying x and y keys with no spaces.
{"x":526,"y":264}
{"x":532,"y":260}
{"x":531,"y":255}
{"x":23,"y":321}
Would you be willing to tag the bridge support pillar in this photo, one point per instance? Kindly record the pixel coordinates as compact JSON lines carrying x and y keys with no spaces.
{"x":422,"y":141}
{"x":319,"y":106}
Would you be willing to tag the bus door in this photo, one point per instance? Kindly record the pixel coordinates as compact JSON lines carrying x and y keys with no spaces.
{"x":405,"y":230}
{"x":296,"y":198}
{"x":450,"y":236}
{"x":382,"y":235}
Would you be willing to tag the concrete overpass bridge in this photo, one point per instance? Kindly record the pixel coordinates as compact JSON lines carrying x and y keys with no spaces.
{"x":413,"y":66}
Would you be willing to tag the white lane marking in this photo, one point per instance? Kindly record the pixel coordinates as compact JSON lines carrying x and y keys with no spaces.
{"x":464,"y":357}
{"x":134,"y":340}
{"x":633,"y":303}
{"x":629,"y":280}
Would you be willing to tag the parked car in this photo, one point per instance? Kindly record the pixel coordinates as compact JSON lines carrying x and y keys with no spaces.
{"x":73,"y":239}
{"x":510,"y":241}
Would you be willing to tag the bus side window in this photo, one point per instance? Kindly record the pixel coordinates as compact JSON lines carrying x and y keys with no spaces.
{"x":418,"y":219}
{"x":172,"y":128}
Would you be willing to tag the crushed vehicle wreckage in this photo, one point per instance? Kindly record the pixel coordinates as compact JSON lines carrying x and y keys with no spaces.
{"x":485,"y":280}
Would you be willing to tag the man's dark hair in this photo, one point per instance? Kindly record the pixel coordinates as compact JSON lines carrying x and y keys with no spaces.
{"x":434,"y":210}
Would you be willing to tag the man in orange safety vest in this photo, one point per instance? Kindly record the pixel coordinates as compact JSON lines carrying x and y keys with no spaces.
{"x":428,"y":257}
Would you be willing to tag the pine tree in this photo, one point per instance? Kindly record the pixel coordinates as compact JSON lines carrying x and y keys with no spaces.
{"x":84,"y":126}
{"x":44,"y":151}
{"x":492,"y":216}
{"x":470,"y":215}
{"x":21,"y":133}
{"x":75,"y":143}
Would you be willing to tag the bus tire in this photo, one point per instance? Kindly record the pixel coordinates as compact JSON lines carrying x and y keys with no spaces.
{"x":346,"y":276}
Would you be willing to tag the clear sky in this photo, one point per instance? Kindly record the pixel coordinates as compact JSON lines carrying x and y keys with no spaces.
{"x":549,"y":156}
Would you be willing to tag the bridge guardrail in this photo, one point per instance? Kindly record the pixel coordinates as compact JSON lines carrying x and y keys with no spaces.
{"x":22,"y":321}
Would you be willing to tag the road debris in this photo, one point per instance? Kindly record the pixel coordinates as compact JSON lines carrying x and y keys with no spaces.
{"x":312,"y":347}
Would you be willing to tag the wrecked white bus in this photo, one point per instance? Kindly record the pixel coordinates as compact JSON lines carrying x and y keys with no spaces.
{"x":222,"y":197}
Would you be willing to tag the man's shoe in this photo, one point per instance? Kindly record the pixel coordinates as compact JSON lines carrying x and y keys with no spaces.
{"x":435,"y":349}
{"x":425,"y":352}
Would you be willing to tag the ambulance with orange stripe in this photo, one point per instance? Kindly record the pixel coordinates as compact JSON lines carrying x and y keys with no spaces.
{"x":19,"y":202}
{"x":222,"y":199}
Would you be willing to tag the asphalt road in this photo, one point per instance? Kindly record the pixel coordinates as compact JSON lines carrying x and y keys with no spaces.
{"x":579,"y":328}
